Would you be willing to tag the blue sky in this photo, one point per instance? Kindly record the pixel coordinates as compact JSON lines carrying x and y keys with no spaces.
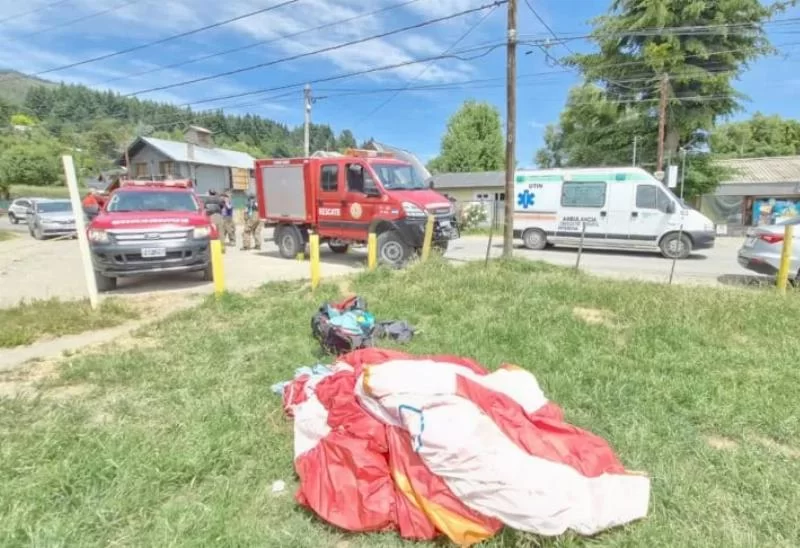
{"x":413,"y":119}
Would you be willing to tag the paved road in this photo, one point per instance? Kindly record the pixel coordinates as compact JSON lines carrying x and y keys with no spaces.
{"x":31,"y":269}
{"x":717,"y":266}
{"x":5,"y":224}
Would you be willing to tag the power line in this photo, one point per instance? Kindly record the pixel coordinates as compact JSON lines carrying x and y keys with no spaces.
{"x":81,"y":19}
{"x":545,"y":25}
{"x":427,"y":66}
{"x":34,"y":11}
{"x":263,"y":42}
{"x":318,"y":51}
{"x":162,"y":40}
{"x":488,"y":50}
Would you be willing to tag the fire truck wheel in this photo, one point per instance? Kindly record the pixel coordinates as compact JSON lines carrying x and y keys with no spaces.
{"x":338,"y":248}
{"x":290,"y":241}
{"x":392,"y":250}
{"x":104,"y":283}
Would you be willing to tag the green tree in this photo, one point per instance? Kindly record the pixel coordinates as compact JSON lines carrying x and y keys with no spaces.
{"x":760,"y":136}
{"x":473,"y":141}
{"x":345,"y":140}
{"x":632,"y":60}
{"x":29,"y":163}
{"x":22,"y":120}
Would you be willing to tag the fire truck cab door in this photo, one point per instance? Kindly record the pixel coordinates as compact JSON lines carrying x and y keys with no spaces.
{"x":330,"y":200}
{"x":362,"y":198}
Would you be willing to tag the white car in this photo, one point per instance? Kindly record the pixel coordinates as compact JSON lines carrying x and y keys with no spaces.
{"x":18,"y":210}
{"x":761,"y":251}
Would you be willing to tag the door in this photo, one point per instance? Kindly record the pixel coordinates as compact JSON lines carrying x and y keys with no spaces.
{"x":649,"y":218}
{"x":619,"y":205}
{"x":362,"y":198}
{"x":330,"y":201}
{"x":583,"y":204}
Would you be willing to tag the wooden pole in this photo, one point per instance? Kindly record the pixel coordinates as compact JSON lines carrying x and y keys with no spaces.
{"x":511,"y":129}
{"x":662,"y":122}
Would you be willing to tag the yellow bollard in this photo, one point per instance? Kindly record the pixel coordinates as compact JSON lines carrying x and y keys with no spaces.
{"x":372,"y":251}
{"x":786,"y":258}
{"x":426,"y":244}
{"x":217,"y":268}
{"x":315,"y":270}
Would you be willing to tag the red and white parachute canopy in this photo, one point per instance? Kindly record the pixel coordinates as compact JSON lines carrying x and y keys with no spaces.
{"x":430,"y":446}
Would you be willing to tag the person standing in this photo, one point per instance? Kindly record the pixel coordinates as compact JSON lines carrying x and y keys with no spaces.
{"x":227,"y":219}
{"x":216,"y":216}
{"x":252,"y":225}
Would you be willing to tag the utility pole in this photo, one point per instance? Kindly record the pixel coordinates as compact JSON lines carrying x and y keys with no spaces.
{"x":307,"y":129}
{"x":635,"y":142}
{"x":511,"y":128}
{"x":662,"y":122}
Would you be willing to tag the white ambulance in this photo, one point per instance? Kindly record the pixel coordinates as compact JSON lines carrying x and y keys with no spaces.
{"x":622,"y":208}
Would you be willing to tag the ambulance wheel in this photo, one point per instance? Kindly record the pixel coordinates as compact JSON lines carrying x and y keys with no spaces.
{"x":290,"y":241}
{"x":533,"y":238}
{"x":338,"y":248}
{"x":105,"y":283}
{"x":392,"y":250}
{"x":673,"y":247}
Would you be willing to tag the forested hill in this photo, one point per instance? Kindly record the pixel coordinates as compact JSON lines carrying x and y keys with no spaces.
{"x":72,"y":110}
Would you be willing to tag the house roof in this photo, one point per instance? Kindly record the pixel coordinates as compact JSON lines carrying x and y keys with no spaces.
{"x":778,"y":169}
{"x":469,"y":180}
{"x":179,"y":152}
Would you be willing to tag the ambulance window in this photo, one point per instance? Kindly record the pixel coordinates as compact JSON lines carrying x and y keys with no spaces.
{"x":583,"y":194}
{"x":651,"y":197}
{"x":329,"y":178}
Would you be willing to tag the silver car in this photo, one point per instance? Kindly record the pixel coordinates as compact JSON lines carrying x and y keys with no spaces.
{"x":18,"y":210}
{"x":51,"y":218}
{"x":761,"y":251}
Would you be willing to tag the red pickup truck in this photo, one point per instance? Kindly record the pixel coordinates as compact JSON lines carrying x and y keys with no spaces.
{"x":148,"y":228}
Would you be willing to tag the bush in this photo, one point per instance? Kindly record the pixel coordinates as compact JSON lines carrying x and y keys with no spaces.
{"x":473,"y":216}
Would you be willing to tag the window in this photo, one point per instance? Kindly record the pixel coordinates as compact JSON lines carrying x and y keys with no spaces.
{"x":480,"y":196}
{"x":154,"y":200}
{"x":651,"y":197}
{"x":140,"y":170}
{"x":398,"y":177}
{"x":60,"y":206}
{"x":583,"y":194}
{"x":329,"y":178}
{"x":166,"y":168}
{"x":359,"y":179}
{"x":499,"y":196}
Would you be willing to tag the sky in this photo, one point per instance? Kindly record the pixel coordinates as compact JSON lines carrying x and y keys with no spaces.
{"x":406,"y":106}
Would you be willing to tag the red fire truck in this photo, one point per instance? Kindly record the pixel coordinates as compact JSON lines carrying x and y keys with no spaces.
{"x":150,"y":227}
{"x":343,"y":198}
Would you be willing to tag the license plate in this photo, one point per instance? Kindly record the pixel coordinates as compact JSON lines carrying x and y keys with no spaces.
{"x":150,"y":252}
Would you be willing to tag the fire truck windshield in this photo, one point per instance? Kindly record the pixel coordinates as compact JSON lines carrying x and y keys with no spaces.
{"x":151,"y":201}
{"x":398,"y":177}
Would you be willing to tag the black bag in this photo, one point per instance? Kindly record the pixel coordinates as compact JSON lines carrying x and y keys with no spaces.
{"x":338,"y":339}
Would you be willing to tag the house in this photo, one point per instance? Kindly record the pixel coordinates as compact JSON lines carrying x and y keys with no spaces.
{"x":195,"y":158}
{"x":472,"y":187}
{"x":757,"y":191}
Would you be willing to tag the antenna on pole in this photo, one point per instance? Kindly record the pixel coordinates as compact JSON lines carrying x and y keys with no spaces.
{"x":307,"y":126}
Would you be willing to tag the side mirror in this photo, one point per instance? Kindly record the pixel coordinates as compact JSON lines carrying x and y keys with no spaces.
{"x":671,"y":208}
{"x":372,"y":192}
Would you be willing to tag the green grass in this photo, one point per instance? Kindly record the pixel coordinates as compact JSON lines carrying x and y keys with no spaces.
{"x":175,"y":440}
{"x":25,"y":191}
{"x":6,"y":235}
{"x":30,"y":321}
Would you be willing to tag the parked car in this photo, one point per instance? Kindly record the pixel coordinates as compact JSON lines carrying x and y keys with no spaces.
{"x":761,"y":251}
{"x":51,"y":218}
{"x":18,"y":210}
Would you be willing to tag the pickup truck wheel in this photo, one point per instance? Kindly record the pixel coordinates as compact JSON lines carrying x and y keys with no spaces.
{"x":338,"y":248}
{"x":290,"y":241}
{"x":105,"y":283}
{"x":392,"y":250}
{"x":533,"y":238}
{"x":673,"y":247}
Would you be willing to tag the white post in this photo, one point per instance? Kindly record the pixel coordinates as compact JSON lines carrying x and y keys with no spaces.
{"x":80,"y":225}
{"x":307,"y":121}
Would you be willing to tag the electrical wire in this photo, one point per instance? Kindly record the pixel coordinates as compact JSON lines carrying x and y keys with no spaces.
{"x":159,"y":41}
{"x":421,"y":73}
{"x":263,"y":42}
{"x":80,"y":19}
{"x":34,"y":11}
{"x":318,"y":51}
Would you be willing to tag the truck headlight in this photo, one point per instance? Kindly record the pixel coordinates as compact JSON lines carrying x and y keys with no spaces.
{"x":412,"y":210}
{"x":97,"y":236}
{"x":201,"y":232}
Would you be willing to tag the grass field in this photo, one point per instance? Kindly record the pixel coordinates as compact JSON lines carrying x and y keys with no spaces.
{"x":22,"y":191}
{"x":174,"y":438}
{"x":6,"y":235}
{"x":27,"y":322}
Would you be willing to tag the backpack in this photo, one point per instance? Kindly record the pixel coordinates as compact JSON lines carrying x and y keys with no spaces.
{"x":344,"y":326}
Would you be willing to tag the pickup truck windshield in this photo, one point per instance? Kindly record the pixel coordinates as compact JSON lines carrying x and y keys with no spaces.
{"x":54,"y":207}
{"x":151,"y":201}
{"x":398,"y":177}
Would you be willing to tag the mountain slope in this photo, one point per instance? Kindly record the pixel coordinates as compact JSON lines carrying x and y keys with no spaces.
{"x":14,"y":86}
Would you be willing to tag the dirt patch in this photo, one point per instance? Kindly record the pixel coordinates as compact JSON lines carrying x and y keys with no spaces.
{"x":721,"y":443}
{"x":776,"y":447}
{"x":594,"y":316}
